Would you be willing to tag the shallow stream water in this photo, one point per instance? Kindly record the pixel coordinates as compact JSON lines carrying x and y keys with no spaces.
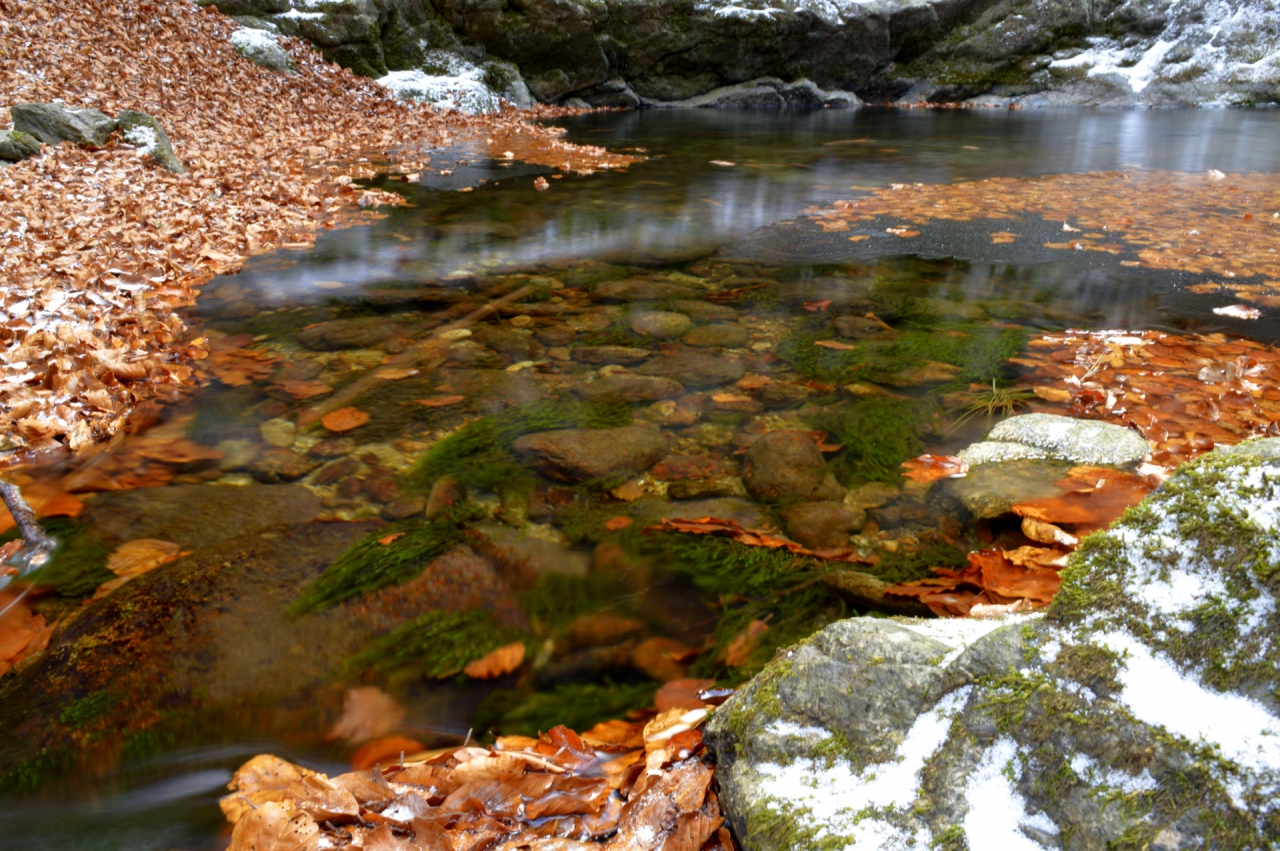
{"x":154,"y":695}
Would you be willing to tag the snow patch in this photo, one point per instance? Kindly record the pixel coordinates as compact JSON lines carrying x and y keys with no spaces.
{"x":1095,"y":774}
{"x":143,"y":138}
{"x":245,"y":38}
{"x":997,"y":810}
{"x":790,"y":728}
{"x":448,"y":81}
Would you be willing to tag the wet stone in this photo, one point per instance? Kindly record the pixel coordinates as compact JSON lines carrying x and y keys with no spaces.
{"x":990,"y":490}
{"x":860,"y":328}
{"x":822,"y":525}
{"x":333,"y":447}
{"x":278,"y":432}
{"x":997,"y":451}
{"x":578,"y":455}
{"x":695,"y":369}
{"x":871,"y":495}
{"x":626,"y":387}
{"x":707,"y":488}
{"x":705,"y":311}
{"x":282,"y":465}
{"x":336,"y":471}
{"x":342,"y":334}
{"x":403,"y":509}
{"x":676,"y":468}
{"x":786,"y":466}
{"x":445,"y":494}
{"x":781,"y":394}
{"x":719,"y":335}
{"x":660,"y":324}
{"x":610,"y":354}
{"x":473,"y":355}
{"x":643,"y":289}
{"x":1081,"y":441}
{"x":556,"y":335}
{"x":518,"y":345}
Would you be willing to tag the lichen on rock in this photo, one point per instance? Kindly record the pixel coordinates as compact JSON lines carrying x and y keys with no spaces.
{"x":1141,"y":710}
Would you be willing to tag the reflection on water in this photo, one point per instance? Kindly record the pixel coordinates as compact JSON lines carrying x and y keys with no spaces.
{"x":743,"y":298}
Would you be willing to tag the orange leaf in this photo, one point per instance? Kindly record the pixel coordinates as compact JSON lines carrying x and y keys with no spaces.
{"x":613,"y":524}
{"x":738,"y":653}
{"x":345,"y":419}
{"x":440,"y":401}
{"x":496,"y":663}
{"x":396,"y":374}
{"x":817,"y":306}
{"x":754,"y":538}
{"x":135,"y":558}
{"x":930,"y":468}
{"x":304,"y":389}
{"x":387,"y":539}
{"x":834,"y":344}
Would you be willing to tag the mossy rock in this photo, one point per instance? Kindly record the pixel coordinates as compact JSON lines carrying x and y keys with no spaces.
{"x":1142,"y":710}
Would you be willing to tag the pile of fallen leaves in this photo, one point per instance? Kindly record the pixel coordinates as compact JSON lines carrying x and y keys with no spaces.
{"x":100,"y":249}
{"x":620,"y":785}
{"x":1213,"y":223}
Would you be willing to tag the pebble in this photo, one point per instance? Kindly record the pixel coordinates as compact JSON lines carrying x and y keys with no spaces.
{"x":660,"y":324}
{"x":278,"y":432}
{"x":455,"y":334}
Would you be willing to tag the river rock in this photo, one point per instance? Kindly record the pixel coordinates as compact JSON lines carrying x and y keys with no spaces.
{"x":781,"y":394}
{"x":989,"y":490}
{"x":1148,"y":679}
{"x":278,"y":432}
{"x":625,"y":387}
{"x":52,"y":123}
{"x":282,"y":465}
{"x":707,"y":488}
{"x":660,"y":324}
{"x":694,"y":369}
{"x":470,"y":354}
{"x":610,"y":354}
{"x":579,"y":455}
{"x":997,"y":451}
{"x":1081,"y":441}
{"x":643,"y":289}
{"x":719,"y":335}
{"x":786,"y":466}
{"x":16,"y":145}
{"x":517,"y":345}
{"x":340,"y":334}
{"x":822,"y":525}
{"x":860,"y":328}
{"x":705,"y":311}
{"x":144,"y":132}
{"x":555,"y":335}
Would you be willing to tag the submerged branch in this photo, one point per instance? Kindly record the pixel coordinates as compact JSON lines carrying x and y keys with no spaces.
{"x":39,"y":545}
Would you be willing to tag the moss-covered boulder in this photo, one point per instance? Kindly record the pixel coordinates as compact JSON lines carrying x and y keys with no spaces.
{"x":52,"y":123}
{"x":16,"y":145}
{"x":144,"y":132}
{"x":1142,"y":709}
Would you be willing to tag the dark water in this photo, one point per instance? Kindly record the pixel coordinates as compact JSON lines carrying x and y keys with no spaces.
{"x":676,"y":212}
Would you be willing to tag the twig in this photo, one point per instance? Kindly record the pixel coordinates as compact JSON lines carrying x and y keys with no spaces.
{"x":39,"y":545}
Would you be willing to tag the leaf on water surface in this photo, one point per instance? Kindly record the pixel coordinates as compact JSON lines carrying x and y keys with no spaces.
{"x":930,"y":468}
{"x":344,"y":419}
{"x":388,"y":750}
{"x":722,"y":162}
{"x":497,"y":663}
{"x":1238,"y":311}
{"x":540,"y":184}
{"x":367,"y":713}
{"x":440,"y":401}
{"x":682,"y":694}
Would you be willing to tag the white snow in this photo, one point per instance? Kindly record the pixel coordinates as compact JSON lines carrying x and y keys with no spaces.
{"x":836,"y":796}
{"x":449,"y":82}
{"x":831,"y":11}
{"x":301,"y":16}
{"x":1106,"y":58}
{"x":959,"y":633}
{"x":143,"y":138}
{"x":245,"y":38}
{"x":791,"y":728}
{"x":1157,"y":693}
{"x":997,"y":810}
{"x":1095,"y":774}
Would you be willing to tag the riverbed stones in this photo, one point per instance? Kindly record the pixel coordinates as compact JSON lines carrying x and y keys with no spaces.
{"x":705,"y":311}
{"x":516,"y":344}
{"x":786,"y":466}
{"x":281,"y":465}
{"x":861,"y":328}
{"x":52,"y":123}
{"x":339,"y":334}
{"x":16,"y":145}
{"x":822,"y":525}
{"x":718,"y":335}
{"x":579,"y":455}
{"x":144,"y":132}
{"x":643,"y":289}
{"x":781,"y":394}
{"x":278,"y":432}
{"x":601,"y":355}
{"x":1081,"y":441}
{"x":625,"y":387}
{"x":660,"y":324}
{"x":695,"y":369}
{"x":1146,"y":680}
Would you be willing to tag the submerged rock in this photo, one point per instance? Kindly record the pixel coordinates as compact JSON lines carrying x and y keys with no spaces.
{"x":1081,"y":441}
{"x":660,"y":324}
{"x":579,"y":455}
{"x":643,"y":289}
{"x":718,"y":335}
{"x":1141,"y":707}
{"x":52,"y":123}
{"x":625,"y":387}
{"x":822,"y":525}
{"x":786,"y":466}
{"x":340,"y":334}
{"x":694,"y":369}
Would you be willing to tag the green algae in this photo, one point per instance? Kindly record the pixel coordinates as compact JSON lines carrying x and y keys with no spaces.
{"x":556,"y":599}
{"x":88,"y":709}
{"x":479,"y":454}
{"x":876,"y":434}
{"x":436,"y":645}
{"x":370,"y":564}
{"x":79,"y":564}
{"x":578,"y":707}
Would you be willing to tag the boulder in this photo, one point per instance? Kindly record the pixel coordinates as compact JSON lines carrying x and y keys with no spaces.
{"x":694,"y":369}
{"x":261,"y":47}
{"x":53,"y":123}
{"x":625,"y":387}
{"x":1081,"y":441}
{"x":579,"y":455}
{"x":786,"y":466}
{"x":144,"y":132}
{"x":1141,"y":707}
{"x":822,"y":525}
{"x":16,"y":145}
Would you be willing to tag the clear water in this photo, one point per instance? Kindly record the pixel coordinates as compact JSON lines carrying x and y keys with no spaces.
{"x":678,"y":211}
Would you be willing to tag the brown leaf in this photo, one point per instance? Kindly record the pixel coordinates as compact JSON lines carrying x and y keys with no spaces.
{"x":930,"y":468}
{"x":738,"y":653}
{"x":440,"y":401}
{"x":344,"y":419}
{"x":835,"y":344}
{"x":137,"y":557}
{"x":387,"y":750}
{"x":613,"y":524}
{"x":367,"y":713}
{"x":305,"y":389}
{"x":817,"y":306}
{"x":497,"y":663}
{"x":386,"y":540}
{"x":753,"y":538}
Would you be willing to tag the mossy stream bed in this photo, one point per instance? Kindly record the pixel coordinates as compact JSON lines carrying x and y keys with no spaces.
{"x":504,"y":487}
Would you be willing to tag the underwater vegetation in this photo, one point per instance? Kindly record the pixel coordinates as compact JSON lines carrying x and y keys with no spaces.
{"x":437,"y":645}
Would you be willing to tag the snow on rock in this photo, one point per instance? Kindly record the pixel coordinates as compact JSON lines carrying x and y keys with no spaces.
{"x":450,"y":82}
{"x":1153,"y":678}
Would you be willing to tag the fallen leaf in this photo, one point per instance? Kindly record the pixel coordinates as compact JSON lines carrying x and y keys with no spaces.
{"x":388,"y":539}
{"x":497,"y":663}
{"x":388,"y":374}
{"x":1047,"y":533}
{"x":835,"y":344}
{"x":681,"y":694}
{"x":387,"y":750}
{"x":738,"y":653}
{"x":613,"y":524}
{"x":304,"y":389}
{"x":367,"y":713}
{"x":540,"y":184}
{"x":440,"y":401}
{"x":134,"y":558}
{"x":817,"y":306}
{"x":753,"y":538}
{"x":930,"y":468}
{"x":344,"y":419}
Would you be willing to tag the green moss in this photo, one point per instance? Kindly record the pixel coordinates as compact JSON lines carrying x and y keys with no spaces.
{"x":950,"y":839}
{"x":877,"y":435}
{"x":578,"y":707}
{"x":436,"y":645}
{"x":479,"y":454}
{"x":88,"y":709}
{"x":558,"y":598}
{"x":78,"y":566}
{"x":370,"y":564}
{"x":903,"y":566}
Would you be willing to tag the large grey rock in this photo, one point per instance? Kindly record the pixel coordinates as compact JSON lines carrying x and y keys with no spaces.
{"x":1082,"y":441}
{"x":52,"y":123}
{"x":786,"y":466}
{"x":261,"y":47}
{"x":143,"y":131}
{"x":1141,"y":708}
{"x":16,"y":145}
{"x":579,"y":455}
